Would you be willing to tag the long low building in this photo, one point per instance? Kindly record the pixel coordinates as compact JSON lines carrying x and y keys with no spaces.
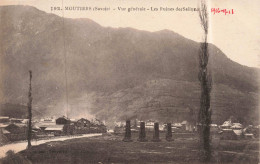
{"x":55,"y":129}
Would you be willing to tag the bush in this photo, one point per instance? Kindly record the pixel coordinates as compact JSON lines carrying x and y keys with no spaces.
{"x":12,"y":158}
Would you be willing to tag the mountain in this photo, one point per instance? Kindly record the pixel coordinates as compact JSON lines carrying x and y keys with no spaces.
{"x":13,"y":110}
{"x":17,"y":111}
{"x":115,"y":73}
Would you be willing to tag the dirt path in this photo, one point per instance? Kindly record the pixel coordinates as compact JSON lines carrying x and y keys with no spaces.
{"x":17,"y":147}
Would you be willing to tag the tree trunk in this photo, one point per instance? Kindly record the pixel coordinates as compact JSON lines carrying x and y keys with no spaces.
{"x":205,"y":83}
{"x":142,"y":134}
{"x":29,"y":133}
{"x":156,"y":137}
{"x":169,"y":132}
{"x":127,"y":137}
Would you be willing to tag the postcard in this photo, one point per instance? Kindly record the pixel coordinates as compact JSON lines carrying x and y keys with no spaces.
{"x":129,"y":81}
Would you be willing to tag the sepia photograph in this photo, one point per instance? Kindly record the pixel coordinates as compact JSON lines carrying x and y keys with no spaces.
{"x":129,"y":81}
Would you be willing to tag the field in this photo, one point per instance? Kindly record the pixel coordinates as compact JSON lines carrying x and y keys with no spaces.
{"x":110,"y":148}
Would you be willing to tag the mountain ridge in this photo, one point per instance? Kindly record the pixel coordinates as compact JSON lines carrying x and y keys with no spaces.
{"x":104,"y":60}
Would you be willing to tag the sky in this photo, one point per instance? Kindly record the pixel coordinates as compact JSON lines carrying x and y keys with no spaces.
{"x":237,"y":35}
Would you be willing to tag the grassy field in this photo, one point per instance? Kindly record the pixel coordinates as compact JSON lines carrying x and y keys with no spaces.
{"x":111,"y":149}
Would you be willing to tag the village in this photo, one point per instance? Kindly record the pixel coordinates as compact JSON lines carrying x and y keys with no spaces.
{"x":227,"y":131}
{"x":14,"y":129}
{"x":71,"y":136}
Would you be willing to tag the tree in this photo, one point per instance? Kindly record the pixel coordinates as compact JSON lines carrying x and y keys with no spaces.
{"x":205,"y":83}
{"x":29,"y":133}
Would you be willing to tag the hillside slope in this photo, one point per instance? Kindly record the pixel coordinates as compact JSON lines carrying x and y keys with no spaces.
{"x":105,"y":64}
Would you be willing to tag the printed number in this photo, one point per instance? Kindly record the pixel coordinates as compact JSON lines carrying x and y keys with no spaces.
{"x":55,"y":8}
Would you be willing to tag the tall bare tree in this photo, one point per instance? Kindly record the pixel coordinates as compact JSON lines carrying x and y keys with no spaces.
{"x":206,"y":84}
{"x":29,"y":133}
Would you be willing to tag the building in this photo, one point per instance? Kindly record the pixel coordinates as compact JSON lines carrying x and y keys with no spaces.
{"x":43,"y":125}
{"x":226,"y":125}
{"x":83,"y":123}
{"x":236,"y":126}
{"x":4,"y":119}
{"x":97,"y":126}
{"x":228,"y":134}
{"x":16,"y":121}
{"x":55,"y":130}
{"x":149,"y":125}
{"x":82,"y":126}
{"x":16,"y":128}
{"x":62,"y":120}
{"x":48,"y":119}
{"x":17,"y":132}
{"x":186,"y":125}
